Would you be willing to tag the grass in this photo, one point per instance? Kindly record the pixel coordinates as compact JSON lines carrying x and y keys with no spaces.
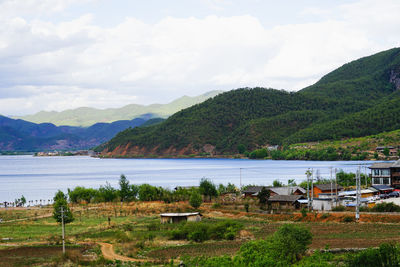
{"x":136,"y":231}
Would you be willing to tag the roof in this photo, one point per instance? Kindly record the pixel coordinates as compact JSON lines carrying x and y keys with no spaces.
{"x":325,"y":187}
{"x":287,"y":190}
{"x":180,"y":214}
{"x":373,"y":189}
{"x":285,"y":198}
{"x":382,"y":187}
{"x":396,"y":164}
{"x":253,"y":189}
{"x":303,"y":201}
{"x":354,"y":192}
{"x":381,"y":165}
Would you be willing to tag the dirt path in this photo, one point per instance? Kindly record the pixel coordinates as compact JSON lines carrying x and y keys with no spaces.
{"x":108,"y":253}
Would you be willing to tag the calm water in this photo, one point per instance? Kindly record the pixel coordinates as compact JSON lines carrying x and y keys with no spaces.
{"x":41,"y":177}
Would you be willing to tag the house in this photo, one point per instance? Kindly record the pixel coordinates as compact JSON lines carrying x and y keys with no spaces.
{"x":326,"y":188}
{"x":179,"y":217}
{"x":392,"y":150}
{"x":285,"y":202}
{"x":365,"y":193}
{"x":252,"y":191}
{"x":287,"y":190}
{"x":386,"y":173}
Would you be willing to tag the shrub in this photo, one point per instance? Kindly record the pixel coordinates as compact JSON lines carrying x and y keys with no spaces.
{"x":339,"y":208}
{"x":348,"y":219}
{"x":216,"y":205}
{"x":195,"y":200}
{"x":304,"y":212}
{"x":386,"y":207}
{"x":325,"y":216}
{"x":246,"y":206}
{"x":385,"y":255}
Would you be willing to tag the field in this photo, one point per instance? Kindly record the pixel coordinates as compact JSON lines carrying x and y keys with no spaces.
{"x":135,"y":231}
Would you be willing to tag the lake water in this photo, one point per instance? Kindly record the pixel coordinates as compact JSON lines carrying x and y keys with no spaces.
{"x":40,"y":177}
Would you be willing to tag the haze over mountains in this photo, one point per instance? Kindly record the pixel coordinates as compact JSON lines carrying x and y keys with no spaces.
{"x":360,"y":98}
{"x":22,"y":135}
{"x":85,"y":116}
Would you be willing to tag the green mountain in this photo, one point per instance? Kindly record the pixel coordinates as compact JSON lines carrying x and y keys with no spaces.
{"x":88,"y":116}
{"x":360,"y":98}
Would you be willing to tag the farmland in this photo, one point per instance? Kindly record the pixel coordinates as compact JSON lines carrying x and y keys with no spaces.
{"x":135,"y":231}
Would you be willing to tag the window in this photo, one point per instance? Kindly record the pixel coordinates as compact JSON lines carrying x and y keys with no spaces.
{"x":386,"y":180}
{"x":376,"y":172}
{"x":386,"y":172}
{"x":376,"y":181}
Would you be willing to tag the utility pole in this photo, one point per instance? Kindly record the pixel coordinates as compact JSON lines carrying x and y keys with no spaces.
{"x":62,"y":227}
{"x":312,"y":186}
{"x":366,"y":177}
{"x":240,"y":170}
{"x":358,"y":194}
{"x":337,"y":197}
{"x":308,"y":189}
{"x":331,"y":185}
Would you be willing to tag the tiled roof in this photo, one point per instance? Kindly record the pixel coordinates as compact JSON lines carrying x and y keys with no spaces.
{"x":325,"y":187}
{"x":285,"y":198}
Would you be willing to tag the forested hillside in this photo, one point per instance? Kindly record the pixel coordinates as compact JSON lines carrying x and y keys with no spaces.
{"x":358,"y":99}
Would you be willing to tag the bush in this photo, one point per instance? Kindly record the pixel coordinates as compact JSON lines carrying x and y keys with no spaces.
{"x":195,"y":200}
{"x":385,"y":255}
{"x":339,"y":208}
{"x":386,"y":207}
{"x":246,"y":206}
{"x":348,"y":219}
{"x":304,"y":212}
{"x":201,"y":231}
{"x":325,"y":216}
{"x":216,"y":205}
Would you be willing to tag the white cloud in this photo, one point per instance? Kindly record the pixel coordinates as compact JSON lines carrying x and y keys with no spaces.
{"x":49,"y":65}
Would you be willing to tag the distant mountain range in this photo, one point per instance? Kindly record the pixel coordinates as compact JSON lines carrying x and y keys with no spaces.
{"x":19,"y":135}
{"x":85,"y":116}
{"x":358,"y":99}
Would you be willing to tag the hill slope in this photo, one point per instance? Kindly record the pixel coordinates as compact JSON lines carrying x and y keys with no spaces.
{"x":359,"y":98}
{"x":88,"y":116}
{"x":19,"y":135}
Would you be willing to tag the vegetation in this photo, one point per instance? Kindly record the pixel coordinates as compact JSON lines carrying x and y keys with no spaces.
{"x":195,"y":200}
{"x":348,"y":102}
{"x":61,"y":210}
{"x":200,"y":231}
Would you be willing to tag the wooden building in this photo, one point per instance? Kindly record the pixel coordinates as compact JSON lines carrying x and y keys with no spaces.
{"x":179,"y":217}
{"x":285,"y":202}
{"x":252,"y":191}
{"x":326,"y":188}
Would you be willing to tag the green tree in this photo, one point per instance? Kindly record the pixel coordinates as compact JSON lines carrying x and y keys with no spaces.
{"x":263,"y":196}
{"x":108,"y":193}
{"x":386,"y":151}
{"x":195,"y":199}
{"x":124,"y":188}
{"x":241,"y":148}
{"x":277,"y":183}
{"x":207,"y":188}
{"x":60,"y":201}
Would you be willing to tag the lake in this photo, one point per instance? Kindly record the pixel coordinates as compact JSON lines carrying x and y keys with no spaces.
{"x":40,"y":177}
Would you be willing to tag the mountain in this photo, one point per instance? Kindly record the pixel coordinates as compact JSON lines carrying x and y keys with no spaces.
{"x":20,"y":135}
{"x":360,"y":98}
{"x":85,"y":116}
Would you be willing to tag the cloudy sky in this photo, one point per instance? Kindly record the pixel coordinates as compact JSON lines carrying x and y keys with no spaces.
{"x":62,"y":54}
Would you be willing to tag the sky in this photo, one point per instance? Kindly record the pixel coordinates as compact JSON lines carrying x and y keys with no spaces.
{"x":64,"y":54}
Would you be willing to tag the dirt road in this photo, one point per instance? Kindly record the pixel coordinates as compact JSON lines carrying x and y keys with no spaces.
{"x":108,"y":253}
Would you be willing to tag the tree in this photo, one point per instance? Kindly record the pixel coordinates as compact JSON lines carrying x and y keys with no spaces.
{"x":60,"y":201}
{"x":291,"y":182}
{"x":124,"y":188}
{"x":107,"y":193}
{"x":195,"y":200}
{"x":386,"y":151}
{"x":277,"y":183}
{"x":241,"y":148}
{"x":207,"y":188}
{"x":263,"y":196}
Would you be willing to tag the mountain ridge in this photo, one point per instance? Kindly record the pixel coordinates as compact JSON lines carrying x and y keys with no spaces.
{"x":86,"y":116}
{"x":347,"y":98}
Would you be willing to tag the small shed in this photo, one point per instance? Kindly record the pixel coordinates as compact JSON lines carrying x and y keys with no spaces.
{"x":179,"y":217}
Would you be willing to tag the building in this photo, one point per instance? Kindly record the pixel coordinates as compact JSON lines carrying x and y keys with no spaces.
{"x":252,"y":191}
{"x":386,"y":173}
{"x":285,"y":202}
{"x":179,"y":217}
{"x":326,"y":189}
